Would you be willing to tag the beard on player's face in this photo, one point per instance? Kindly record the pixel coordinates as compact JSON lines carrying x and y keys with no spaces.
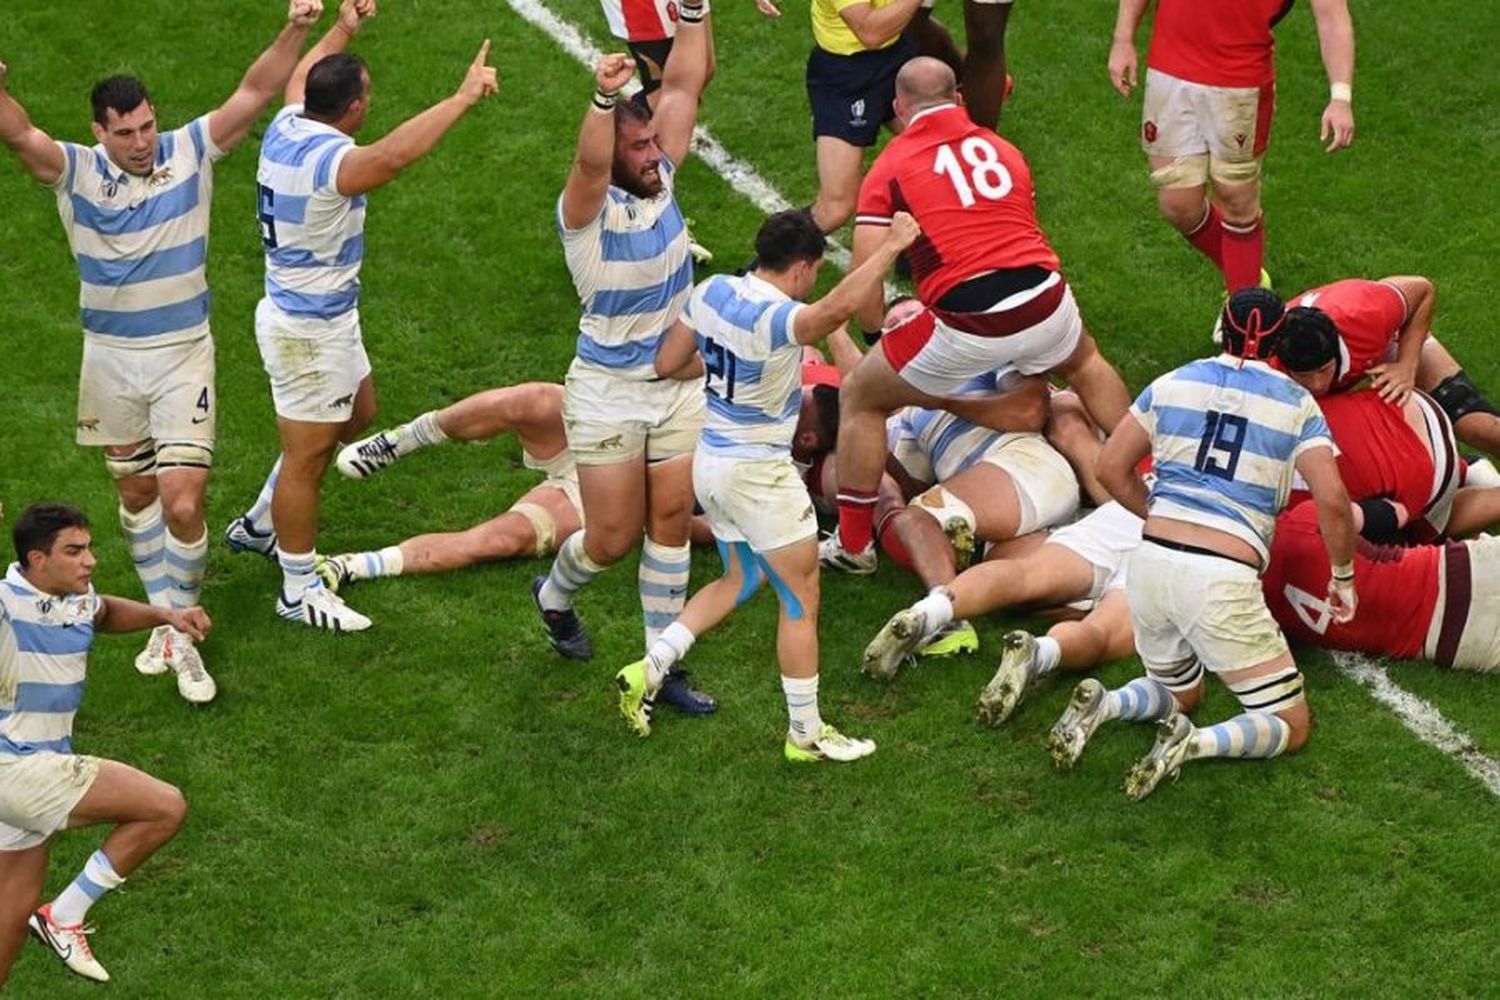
{"x":642,"y":179}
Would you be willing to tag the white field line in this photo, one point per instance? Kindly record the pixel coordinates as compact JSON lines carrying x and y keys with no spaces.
{"x":1419,"y":716}
{"x":737,"y":173}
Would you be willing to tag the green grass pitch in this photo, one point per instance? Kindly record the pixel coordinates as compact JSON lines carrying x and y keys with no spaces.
{"x":441,"y":807}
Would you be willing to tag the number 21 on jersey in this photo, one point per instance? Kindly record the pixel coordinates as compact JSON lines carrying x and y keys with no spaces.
{"x":981,"y":171}
{"x":718,"y":364}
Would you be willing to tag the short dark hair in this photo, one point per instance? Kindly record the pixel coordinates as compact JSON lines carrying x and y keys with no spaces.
{"x":826,"y":417}
{"x":1309,"y":340}
{"x":637,"y":112}
{"x":333,"y":83}
{"x":788,"y":238}
{"x":121,"y":94}
{"x":40,"y":524}
{"x":1252,"y":323}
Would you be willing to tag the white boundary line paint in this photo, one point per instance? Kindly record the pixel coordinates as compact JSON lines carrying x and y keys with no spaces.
{"x":737,"y":173}
{"x":1419,"y":716}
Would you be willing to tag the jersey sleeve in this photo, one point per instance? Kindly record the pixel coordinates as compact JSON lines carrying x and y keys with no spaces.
{"x":774,"y":327}
{"x":1142,"y":409}
{"x":1314,"y":432}
{"x":73,"y":157}
{"x":198,"y":133}
{"x":326,"y":166}
{"x":874,"y":207}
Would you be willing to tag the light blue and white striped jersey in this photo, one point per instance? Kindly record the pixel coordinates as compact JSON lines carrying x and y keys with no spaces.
{"x":44,"y":648}
{"x":633,"y":273}
{"x":141,"y":242}
{"x":933,"y":446}
{"x":1223,"y":442}
{"x":753,"y":365}
{"x":313,"y":236}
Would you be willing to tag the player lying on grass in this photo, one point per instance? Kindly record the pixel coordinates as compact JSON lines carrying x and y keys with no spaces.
{"x":1337,"y":334}
{"x":536,"y":523}
{"x":1076,"y":571}
{"x":745,"y":333}
{"x":1225,"y":435}
{"x":1400,"y":464}
{"x":49,"y":615}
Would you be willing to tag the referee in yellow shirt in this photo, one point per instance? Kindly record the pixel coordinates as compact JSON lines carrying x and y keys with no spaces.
{"x":851,"y":84}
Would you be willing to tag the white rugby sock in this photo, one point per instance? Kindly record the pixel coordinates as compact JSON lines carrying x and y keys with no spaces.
{"x":802,"y":707}
{"x":1048,"y":655}
{"x":1142,"y":700}
{"x":1249,"y":734}
{"x":371,"y":565}
{"x":571,"y":571}
{"x":185,"y":562}
{"x":145,"y":533}
{"x":662,"y":580}
{"x":72,"y":904}
{"x":259,"y":514}
{"x":669,"y":648}
{"x":298,"y":572}
{"x":936,"y":608}
{"x":423,"y":432}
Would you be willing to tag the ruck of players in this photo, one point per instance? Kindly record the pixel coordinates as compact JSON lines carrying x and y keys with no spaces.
{"x":1310,"y":471}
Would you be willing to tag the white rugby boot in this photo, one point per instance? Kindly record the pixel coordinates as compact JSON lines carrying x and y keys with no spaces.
{"x":321,"y":608}
{"x":367,"y":456}
{"x":829,"y":744}
{"x":1084,"y":714}
{"x":831,"y":554}
{"x":242,"y":537}
{"x":153,"y":659}
{"x":1174,"y":739}
{"x":895,"y":644}
{"x":193,"y":680}
{"x":1005,"y":690}
{"x":71,"y":944}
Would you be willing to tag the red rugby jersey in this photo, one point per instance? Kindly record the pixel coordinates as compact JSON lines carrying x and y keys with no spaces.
{"x":1397,"y":588}
{"x":1380,"y":453}
{"x":1220,"y":43}
{"x":969,"y":190}
{"x":1368,"y":315}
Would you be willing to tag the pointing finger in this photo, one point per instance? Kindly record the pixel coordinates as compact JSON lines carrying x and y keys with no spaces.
{"x":484,"y":54}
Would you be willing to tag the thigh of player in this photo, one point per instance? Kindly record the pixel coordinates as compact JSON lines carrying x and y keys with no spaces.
{"x":759,"y":501}
{"x":1224,"y":614}
{"x":1045,"y":486}
{"x":38,"y":792}
{"x":1170,"y":125}
{"x":114,"y":395}
{"x":1236,"y":121}
{"x":1478,"y":646}
{"x":315,"y":368}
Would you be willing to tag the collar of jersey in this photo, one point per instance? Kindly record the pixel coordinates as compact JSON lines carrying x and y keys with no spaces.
{"x":927,"y":111}
{"x":113,"y":173}
{"x":1230,"y":361}
{"x":757,"y":279}
{"x":14,"y":577}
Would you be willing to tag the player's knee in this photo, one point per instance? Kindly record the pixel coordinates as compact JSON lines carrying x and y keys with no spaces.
{"x":1458,"y":397}
{"x":834,"y":208}
{"x":169,"y":808}
{"x":184,"y":516}
{"x":1299,"y":721}
{"x":132,"y":462}
{"x":607,"y":547}
{"x":1236,"y":188}
{"x":1180,"y":185}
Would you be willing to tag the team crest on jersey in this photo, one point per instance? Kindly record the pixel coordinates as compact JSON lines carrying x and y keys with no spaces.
{"x":1239,"y":138}
{"x":161,"y":178}
{"x":1148,"y":131}
{"x":857,"y":112}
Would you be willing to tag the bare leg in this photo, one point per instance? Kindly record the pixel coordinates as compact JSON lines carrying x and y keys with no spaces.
{"x":1051,"y":575}
{"x":147,"y":812}
{"x":840,"y":167}
{"x":1103,"y":635}
{"x":22,"y":873}
{"x":1477,"y":430}
{"x":984,"y":64}
{"x":1097,"y":383}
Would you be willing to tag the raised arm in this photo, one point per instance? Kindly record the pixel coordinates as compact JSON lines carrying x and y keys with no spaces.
{"x":871,"y":310}
{"x":1123,"y":60}
{"x":38,"y":152}
{"x":830,"y":312}
{"x":1115,"y":469}
{"x":588,"y":180}
{"x":265,"y":78}
{"x":366,"y":168}
{"x":352,"y":14}
{"x":1336,"y":42}
{"x":1395,"y":379}
{"x":874,"y":26}
{"x":683,"y":81}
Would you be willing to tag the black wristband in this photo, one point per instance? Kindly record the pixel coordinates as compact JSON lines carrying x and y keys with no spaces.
{"x":605,"y":102}
{"x":871,"y":339}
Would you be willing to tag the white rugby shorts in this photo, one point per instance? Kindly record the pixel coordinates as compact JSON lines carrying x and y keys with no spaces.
{"x":132,"y":394}
{"x":1045,"y":484}
{"x":761,"y":502}
{"x":1182,"y":118}
{"x":38,"y":791}
{"x":612,"y":419}
{"x":1103,"y":538}
{"x":315,"y":367}
{"x":1184,"y":604}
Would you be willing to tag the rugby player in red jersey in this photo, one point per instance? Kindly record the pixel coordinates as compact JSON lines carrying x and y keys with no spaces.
{"x":1338,"y":333}
{"x":1430,"y":602}
{"x":1210,"y":95}
{"x":991,"y":286}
